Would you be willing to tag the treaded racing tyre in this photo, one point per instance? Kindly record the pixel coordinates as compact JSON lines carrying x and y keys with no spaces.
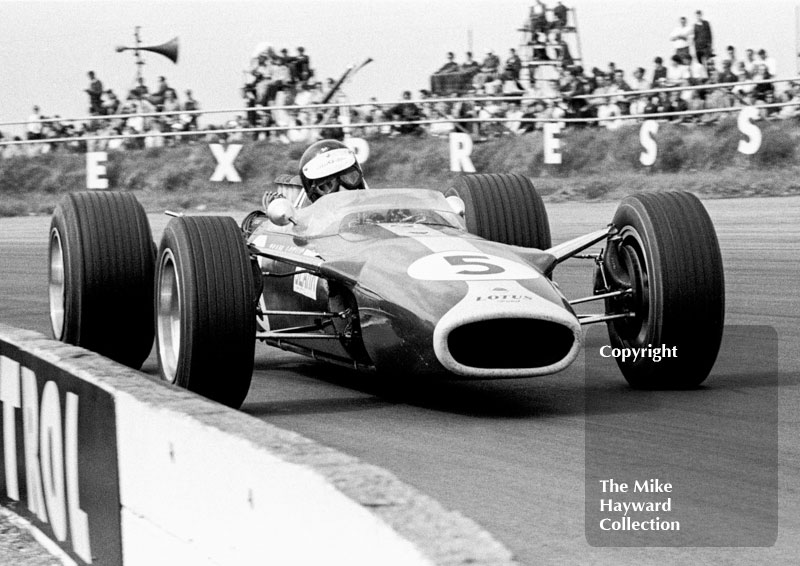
{"x":668,"y":249}
{"x":100,"y":274}
{"x":205,"y":308}
{"x":504,"y":208}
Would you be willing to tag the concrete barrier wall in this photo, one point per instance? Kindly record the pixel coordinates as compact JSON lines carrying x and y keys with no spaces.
{"x":133,"y":471}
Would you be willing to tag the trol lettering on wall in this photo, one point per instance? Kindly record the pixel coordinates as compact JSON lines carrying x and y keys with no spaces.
{"x":50,"y":444}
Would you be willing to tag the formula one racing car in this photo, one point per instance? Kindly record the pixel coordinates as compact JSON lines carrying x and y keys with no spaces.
{"x":410,"y":283}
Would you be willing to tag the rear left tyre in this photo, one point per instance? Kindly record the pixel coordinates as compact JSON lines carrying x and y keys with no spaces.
{"x":205,"y":308}
{"x":100,"y":275}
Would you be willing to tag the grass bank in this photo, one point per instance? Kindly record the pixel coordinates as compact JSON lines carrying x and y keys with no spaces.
{"x":597,"y":165}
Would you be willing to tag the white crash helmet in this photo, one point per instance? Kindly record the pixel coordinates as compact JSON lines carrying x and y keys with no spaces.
{"x":327,"y":166}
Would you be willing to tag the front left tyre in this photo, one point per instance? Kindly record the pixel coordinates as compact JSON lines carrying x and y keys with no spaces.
{"x":100,"y":275}
{"x":205,"y":308}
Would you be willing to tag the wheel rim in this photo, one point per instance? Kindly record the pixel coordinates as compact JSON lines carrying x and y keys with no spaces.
{"x":56,"y":285}
{"x":168,"y":317}
{"x":636,"y":330}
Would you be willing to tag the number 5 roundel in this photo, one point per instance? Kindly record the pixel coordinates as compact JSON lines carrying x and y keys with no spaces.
{"x":468,"y":266}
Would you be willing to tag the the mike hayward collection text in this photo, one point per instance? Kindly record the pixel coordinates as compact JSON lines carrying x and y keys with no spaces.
{"x":621,"y":521}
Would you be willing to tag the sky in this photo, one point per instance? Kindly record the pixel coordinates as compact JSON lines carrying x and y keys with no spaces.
{"x":46,"y":48}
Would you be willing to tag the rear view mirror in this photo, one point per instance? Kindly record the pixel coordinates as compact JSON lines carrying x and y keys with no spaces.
{"x":281,"y":212}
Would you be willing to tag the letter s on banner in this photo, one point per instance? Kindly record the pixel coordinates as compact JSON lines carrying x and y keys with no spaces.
{"x":753,"y":132}
{"x":96,"y":170}
{"x":460,"y":151}
{"x":647,"y":139}
{"x":552,"y":143}
{"x":360,"y":147}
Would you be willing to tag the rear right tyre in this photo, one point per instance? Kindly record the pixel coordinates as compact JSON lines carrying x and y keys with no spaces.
{"x":504,"y":208}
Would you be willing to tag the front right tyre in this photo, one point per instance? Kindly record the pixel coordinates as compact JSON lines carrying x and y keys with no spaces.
{"x":205,"y":308}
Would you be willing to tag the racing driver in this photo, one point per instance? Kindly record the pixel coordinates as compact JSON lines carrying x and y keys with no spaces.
{"x":328,"y":166}
{"x":325,"y":167}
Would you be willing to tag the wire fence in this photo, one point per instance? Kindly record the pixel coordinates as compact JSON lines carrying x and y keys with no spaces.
{"x":454,"y":120}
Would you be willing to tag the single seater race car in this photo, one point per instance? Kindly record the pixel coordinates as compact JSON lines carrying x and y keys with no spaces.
{"x":410,"y":283}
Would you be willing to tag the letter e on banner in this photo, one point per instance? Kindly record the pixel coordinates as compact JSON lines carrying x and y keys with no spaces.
{"x":360,"y":147}
{"x":647,"y":139}
{"x":96,"y":170}
{"x":753,"y":132}
{"x":552,"y":143}
{"x":460,"y":151}
{"x":225,"y":157}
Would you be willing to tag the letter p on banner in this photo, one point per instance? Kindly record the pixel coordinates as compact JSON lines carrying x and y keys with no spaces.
{"x":96,"y":170}
{"x":460,"y":151}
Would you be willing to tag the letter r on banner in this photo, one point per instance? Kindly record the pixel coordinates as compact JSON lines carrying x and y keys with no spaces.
{"x":225,"y":157}
{"x":552,"y":143}
{"x":753,"y":132}
{"x":460,"y":151}
{"x":96,"y":170}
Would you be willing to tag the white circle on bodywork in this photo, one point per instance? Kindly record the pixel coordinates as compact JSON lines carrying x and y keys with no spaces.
{"x":469,"y":266}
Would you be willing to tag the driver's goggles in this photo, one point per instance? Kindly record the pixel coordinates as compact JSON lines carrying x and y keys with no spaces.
{"x":350,"y":179}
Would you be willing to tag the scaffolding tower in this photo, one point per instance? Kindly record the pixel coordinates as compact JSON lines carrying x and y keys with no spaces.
{"x":549,"y":42}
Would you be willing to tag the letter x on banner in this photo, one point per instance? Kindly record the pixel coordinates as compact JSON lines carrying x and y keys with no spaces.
{"x":225,"y":157}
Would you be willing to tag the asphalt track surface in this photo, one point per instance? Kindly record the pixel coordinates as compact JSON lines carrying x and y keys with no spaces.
{"x":512,"y":455}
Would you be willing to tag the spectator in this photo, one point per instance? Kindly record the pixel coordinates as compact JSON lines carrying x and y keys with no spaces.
{"x":681,"y":37}
{"x":659,"y":73}
{"x":171,"y":104}
{"x":302,"y":66}
{"x":678,"y":73}
{"x":562,"y":49}
{"x":158,"y":97}
{"x":512,"y":67}
{"x":95,"y":92}
{"x":470,"y":65}
{"x":560,"y":15}
{"x":730,"y":55}
{"x":139,"y":91}
{"x":749,"y":61}
{"x":741,"y":71}
{"x":538,"y":17}
{"x":727,"y":75}
{"x":190,"y":120}
{"x":451,"y":66}
{"x":638,"y":82}
{"x":35,"y":126}
{"x":703,"y":43}
{"x":111,"y":103}
{"x":406,"y":112}
{"x":488,"y":71}
{"x":621,"y":86}
{"x":763,"y":88}
{"x":571,"y":86}
{"x":769,"y":62}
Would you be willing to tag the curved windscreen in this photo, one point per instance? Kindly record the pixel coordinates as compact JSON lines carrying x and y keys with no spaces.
{"x":345,"y":211}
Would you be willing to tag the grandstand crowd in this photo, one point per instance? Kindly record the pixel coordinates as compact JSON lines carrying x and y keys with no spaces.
{"x":544,"y":81}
